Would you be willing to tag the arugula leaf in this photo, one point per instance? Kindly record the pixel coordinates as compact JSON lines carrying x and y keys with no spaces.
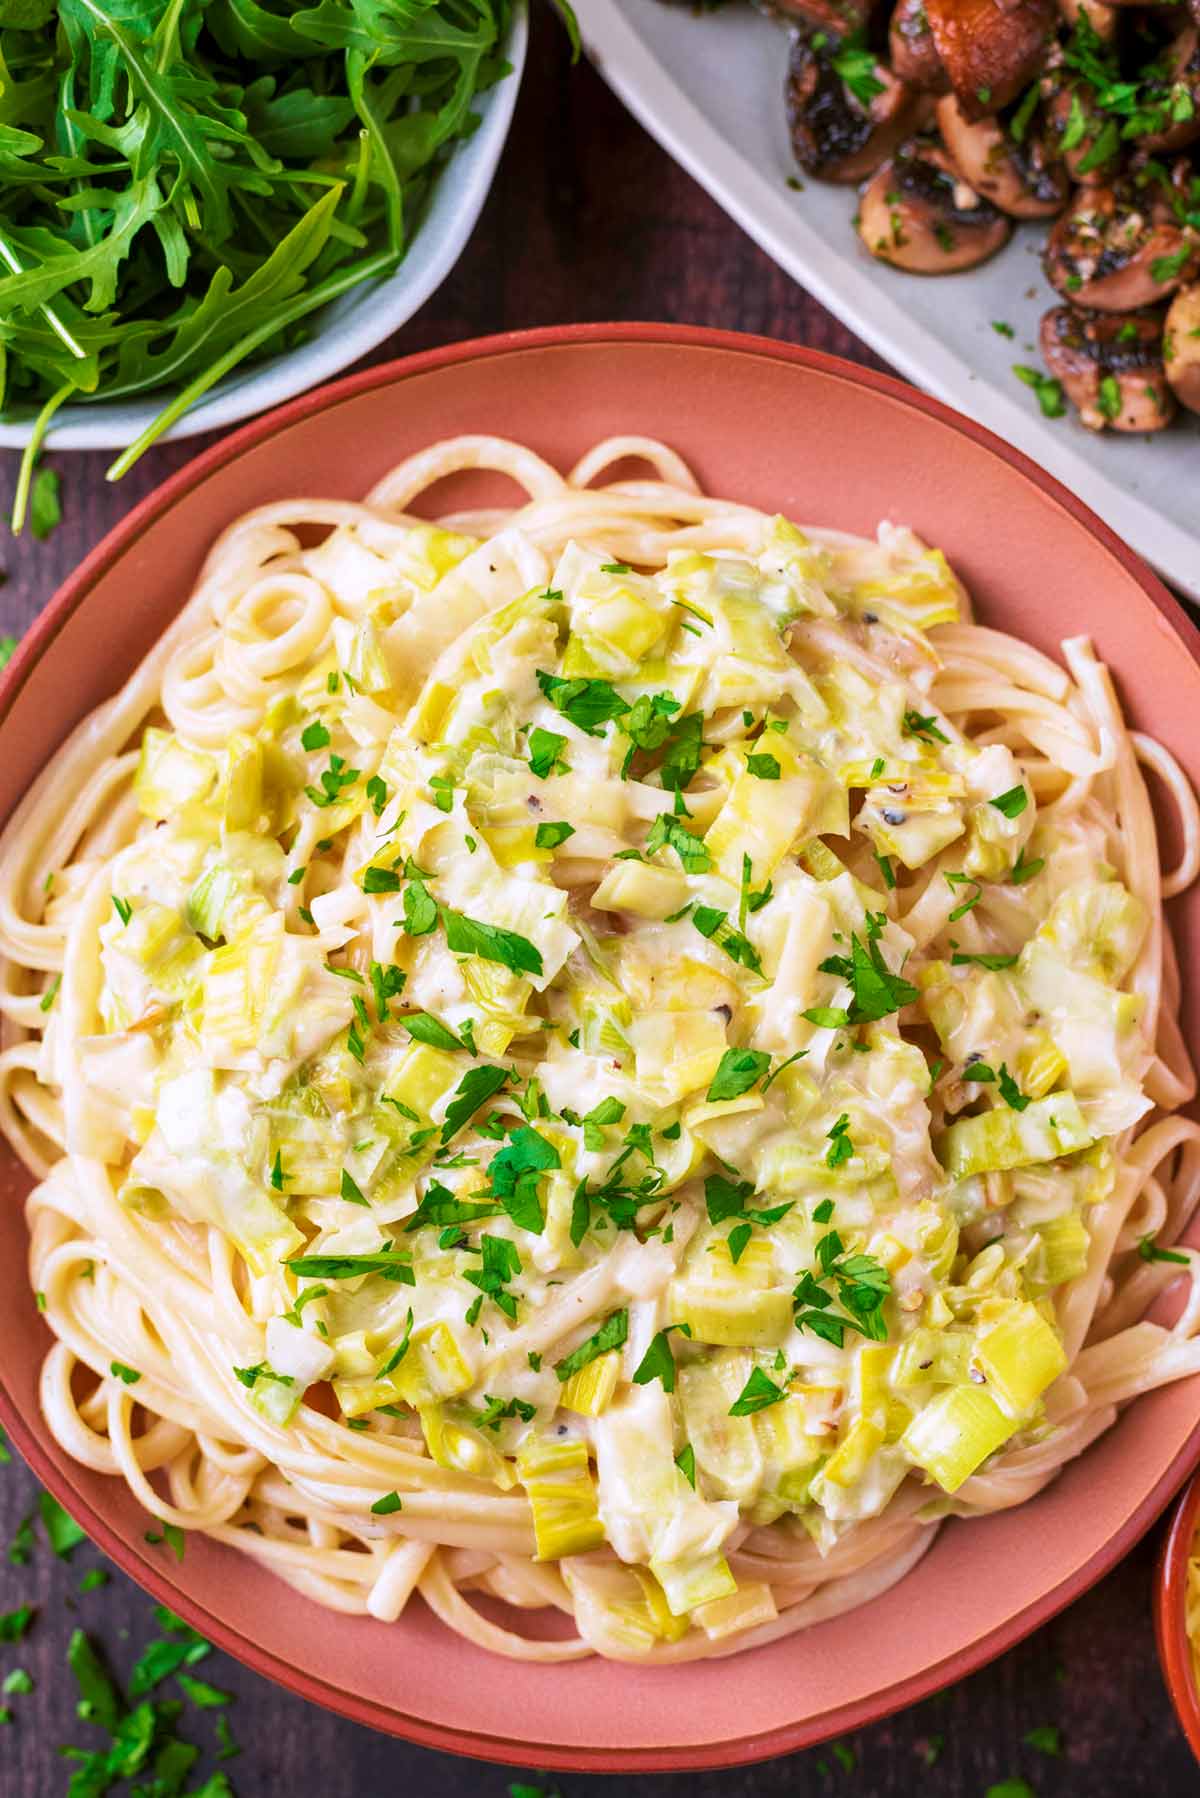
{"x":157,"y":177}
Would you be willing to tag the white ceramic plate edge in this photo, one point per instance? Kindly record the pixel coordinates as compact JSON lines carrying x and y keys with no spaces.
{"x":753,"y":200}
{"x":352,"y":325}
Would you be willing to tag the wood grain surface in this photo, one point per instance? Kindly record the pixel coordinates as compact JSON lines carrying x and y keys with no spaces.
{"x":588,"y":220}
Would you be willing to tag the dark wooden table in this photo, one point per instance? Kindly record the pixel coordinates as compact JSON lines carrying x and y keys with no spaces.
{"x":588,"y":220}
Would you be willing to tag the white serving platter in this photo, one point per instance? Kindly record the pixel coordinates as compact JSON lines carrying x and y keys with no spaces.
{"x":709,"y":86}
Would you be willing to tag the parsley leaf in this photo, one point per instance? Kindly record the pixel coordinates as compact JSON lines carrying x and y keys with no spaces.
{"x":737,"y":1072}
{"x":668,"y":832}
{"x":612,"y":1334}
{"x":1012,"y":803}
{"x":470,"y":936}
{"x":758,"y":1392}
{"x":588,"y":704}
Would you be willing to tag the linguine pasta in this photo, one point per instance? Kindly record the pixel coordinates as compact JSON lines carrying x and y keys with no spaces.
{"x":615,"y":1056}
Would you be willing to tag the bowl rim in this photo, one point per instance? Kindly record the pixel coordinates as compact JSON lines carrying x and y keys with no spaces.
{"x":359,"y":320}
{"x":1170,"y":1622}
{"x":785,"y":1738}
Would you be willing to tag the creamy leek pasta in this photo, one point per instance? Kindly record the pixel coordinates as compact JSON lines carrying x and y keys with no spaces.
{"x":618,"y":1056}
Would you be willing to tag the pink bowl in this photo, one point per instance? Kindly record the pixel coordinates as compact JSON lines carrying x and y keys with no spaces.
{"x":789,"y":430}
{"x":1170,"y":1621}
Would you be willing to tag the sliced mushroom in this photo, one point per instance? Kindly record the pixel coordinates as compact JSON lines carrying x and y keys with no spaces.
{"x":843,"y":128}
{"x":1111,"y":368}
{"x":1077,"y":128}
{"x":1022,"y":178}
{"x":1181,"y":347}
{"x":1176,"y":96}
{"x":913,"y":51}
{"x":917,"y":213}
{"x":1101,"y":17}
{"x":1120,"y":247}
{"x":842,"y":17}
{"x":991,"y":49}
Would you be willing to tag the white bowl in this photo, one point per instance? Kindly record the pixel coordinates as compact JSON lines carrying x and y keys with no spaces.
{"x":349,"y":327}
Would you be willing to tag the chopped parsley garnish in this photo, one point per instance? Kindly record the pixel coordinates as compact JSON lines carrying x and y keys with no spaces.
{"x":514,"y":1173}
{"x":1149,"y":1250}
{"x":420,"y":908}
{"x":972,"y":899}
{"x":667,"y":832}
{"x":470,"y":936}
{"x":381,"y":880}
{"x":549,"y":836}
{"x":758,"y":1392}
{"x":862,"y":1284}
{"x":315,"y":735}
{"x":840,"y":1149}
{"x":122,"y":908}
{"x":1012,"y":803}
{"x":129,"y":1375}
{"x":476,"y":1086}
{"x":501,"y":1263}
{"x":915,"y":725}
{"x":877,"y":991}
{"x":377,"y":794}
{"x":712,"y":924}
{"x":612,"y":1334}
{"x":960,"y":959}
{"x":333,"y":779}
{"x":587,"y":704}
{"x":658,"y":1363}
{"x":545,"y":753}
{"x":425,"y":1028}
{"x":854,"y":64}
{"x":737,"y":1071}
{"x":1010,"y":1092}
{"x":1050,"y":396}
{"x":394,"y":1265}
{"x":885,"y":868}
{"x":1023,"y":870}
{"x":387,"y":1505}
{"x":763,"y":767}
{"x":685,"y":1460}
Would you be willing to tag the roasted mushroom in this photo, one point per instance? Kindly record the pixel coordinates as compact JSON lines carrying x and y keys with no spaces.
{"x":913,"y":51}
{"x":843,"y":17}
{"x":1120,"y":247}
{"x":1020,"y":177}
{"x":1181,"y":347}
{"x":1077,"y":129}
{"x":1176,"y":96}
{"x":917,"y":213}
{"x":1111,"y":368}
{"x":846,"y":112}
{"x":1101,"y":16}
{"x":990,"y":49}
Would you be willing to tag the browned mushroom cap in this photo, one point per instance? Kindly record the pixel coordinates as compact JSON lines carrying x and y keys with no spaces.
{"x":1181,"y":347}
{"x":844,"y":119}
{"x":1120,"y":247}
{"x":1020,"y":178}
{"x":842,"y":17}
{"x":991,"y":49}
{"x":917,"y":213}
{"x":1101,"y":17}
{"x":913,"y":51}
{"x":1176,"y":98}
{"x":1111,"y":368}
{"x":1075,"y":126}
